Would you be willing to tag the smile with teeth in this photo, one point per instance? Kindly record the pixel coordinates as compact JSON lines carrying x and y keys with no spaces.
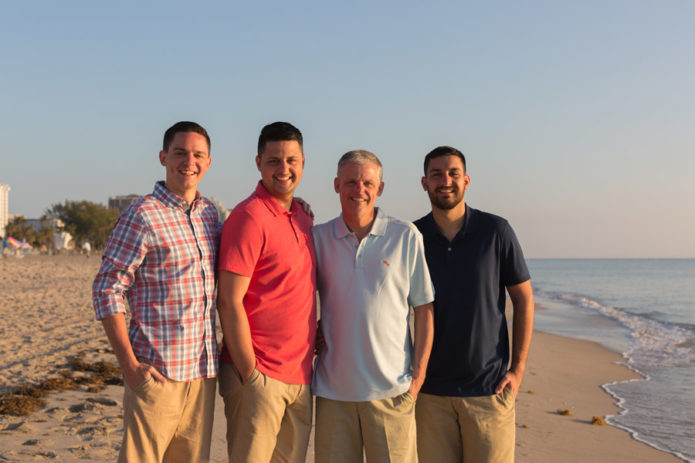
{"x":187,"y":172}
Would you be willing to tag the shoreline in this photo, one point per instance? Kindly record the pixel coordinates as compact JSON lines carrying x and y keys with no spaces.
{"x":619,"y":402}
{"x":48,"y":319}
{"x":557,"y":364}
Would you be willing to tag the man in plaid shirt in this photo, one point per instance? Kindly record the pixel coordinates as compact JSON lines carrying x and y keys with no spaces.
{"x":161,"y":257}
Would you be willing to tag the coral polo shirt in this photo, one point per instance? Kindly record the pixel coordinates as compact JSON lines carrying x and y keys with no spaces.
{"x":274,"y":247}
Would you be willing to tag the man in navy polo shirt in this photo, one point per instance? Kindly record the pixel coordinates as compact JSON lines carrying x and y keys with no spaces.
{"x":465,"y":411}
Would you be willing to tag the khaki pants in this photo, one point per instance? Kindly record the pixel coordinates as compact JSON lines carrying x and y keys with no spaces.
{"x":170,"y":422}
{"x":385,"y":427}
{"x":466,"y":429}
{"x":267,"y":420}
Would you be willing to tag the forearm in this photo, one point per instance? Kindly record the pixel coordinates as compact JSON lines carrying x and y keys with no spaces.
{"x":424,"y":335}
{"x":522,"y":301}
{"x":117,"y":333}
{"x":237,"y":336}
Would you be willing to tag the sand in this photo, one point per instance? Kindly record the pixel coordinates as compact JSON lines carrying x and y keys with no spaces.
{"x":47,"y":319}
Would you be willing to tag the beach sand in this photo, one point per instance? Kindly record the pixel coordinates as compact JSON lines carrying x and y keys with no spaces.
{"x":47,"y":319}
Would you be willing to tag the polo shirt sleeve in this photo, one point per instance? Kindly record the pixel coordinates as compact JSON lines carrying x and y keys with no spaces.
{"x":421,"y":289}
{"x":125,"y":250}
{"x":240,"y":244}
{"x":514,"y":270}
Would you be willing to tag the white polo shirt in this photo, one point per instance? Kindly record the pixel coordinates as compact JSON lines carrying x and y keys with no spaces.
{"x":366,"y":290}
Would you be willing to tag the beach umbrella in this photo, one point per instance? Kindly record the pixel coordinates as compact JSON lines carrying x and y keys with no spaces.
{"x":13,"y":243}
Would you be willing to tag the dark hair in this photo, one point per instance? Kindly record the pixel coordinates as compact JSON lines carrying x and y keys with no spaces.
{"x":440,"y":151}
{"x":279,"y":131}
{"x":184,"y":126}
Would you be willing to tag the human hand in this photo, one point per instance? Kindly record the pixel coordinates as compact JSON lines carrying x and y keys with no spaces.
{"x":139,"y":373}
{"x":415,"y":386}
{"x":320,"y":342}
{"x":247,"y":376}
{"x":305,"y":205}
{"x":511,"y":380}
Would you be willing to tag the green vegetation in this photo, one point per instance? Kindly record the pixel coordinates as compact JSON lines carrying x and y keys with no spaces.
{"x":85,"y":220}
{"x":19,"y":229}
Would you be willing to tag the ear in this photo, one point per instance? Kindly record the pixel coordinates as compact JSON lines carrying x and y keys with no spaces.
{"x":258,"y":163}
{"x":336,"y":184}
{"x":423,"y":182}
{"x":381,"y":189}
{"x":162,"y":157}
{"x":466,"y":182}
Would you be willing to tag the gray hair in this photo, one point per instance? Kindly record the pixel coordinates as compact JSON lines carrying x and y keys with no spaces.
{"x":360,"y":157}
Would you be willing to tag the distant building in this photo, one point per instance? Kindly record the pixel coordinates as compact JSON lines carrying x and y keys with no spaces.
{"x":121,"y":202}
{"x":4,"y":208}
{"x":39,"y":224}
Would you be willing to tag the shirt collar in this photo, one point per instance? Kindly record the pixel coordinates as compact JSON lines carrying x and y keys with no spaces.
{"x":169,"y":199}
{"x":341,"y":229}
{"x":469,"y":223}
{"x":271,"y":203}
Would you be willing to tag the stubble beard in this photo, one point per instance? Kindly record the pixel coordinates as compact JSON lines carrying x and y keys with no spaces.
{"x":444,"y":204}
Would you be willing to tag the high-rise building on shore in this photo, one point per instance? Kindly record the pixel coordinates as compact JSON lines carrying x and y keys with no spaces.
{"x":121,"y":202}
{"x":4,"y":208}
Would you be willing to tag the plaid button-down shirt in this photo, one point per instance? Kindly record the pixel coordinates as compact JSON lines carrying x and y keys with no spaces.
{"x":161,"y":257}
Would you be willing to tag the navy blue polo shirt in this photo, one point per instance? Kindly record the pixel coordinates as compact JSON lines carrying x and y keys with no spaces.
{"x":470,"y":354}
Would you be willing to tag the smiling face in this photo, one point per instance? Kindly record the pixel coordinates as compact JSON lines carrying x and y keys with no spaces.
{"x":281,"y":166}
{"x":358,"y":186}
{"x":445,"y":182}
{"x":186,"y":161}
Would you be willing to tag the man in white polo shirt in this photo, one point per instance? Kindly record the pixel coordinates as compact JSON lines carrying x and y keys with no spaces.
{"x":372,"y":269}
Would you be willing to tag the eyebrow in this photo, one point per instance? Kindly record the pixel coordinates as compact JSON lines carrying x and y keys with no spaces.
{"x":179,"y":148}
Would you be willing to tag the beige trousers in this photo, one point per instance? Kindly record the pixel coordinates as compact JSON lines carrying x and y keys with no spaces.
{"x":466,"y":429}
{"x":170,"y":422}
{"x":385,"y":427}
{"x":267,"y":420}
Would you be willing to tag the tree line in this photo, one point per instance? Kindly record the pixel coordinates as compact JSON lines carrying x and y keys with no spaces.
{"x":84,"y":220}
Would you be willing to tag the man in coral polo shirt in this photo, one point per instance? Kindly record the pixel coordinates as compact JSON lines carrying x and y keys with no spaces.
{"x":267,"y":307}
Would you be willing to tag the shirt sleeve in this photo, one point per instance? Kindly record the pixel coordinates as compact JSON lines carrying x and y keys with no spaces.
{"x":514,"y":270}
{"x":421,"y":288}
{"x":125,"y":250}
{"x":240,"y":244}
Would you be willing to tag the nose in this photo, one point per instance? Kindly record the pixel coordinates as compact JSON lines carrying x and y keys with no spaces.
{"x":284,"y":166}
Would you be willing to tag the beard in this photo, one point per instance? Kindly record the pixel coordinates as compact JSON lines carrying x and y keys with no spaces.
{"x":445,"y":203}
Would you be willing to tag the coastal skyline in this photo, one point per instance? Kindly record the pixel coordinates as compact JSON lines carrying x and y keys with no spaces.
{"x":576,"y":119}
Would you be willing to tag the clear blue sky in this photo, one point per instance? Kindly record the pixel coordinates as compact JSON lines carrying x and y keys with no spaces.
{"x":577,"y":118}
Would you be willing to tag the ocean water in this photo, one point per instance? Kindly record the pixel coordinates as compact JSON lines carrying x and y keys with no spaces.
{"x":645,"y":309}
